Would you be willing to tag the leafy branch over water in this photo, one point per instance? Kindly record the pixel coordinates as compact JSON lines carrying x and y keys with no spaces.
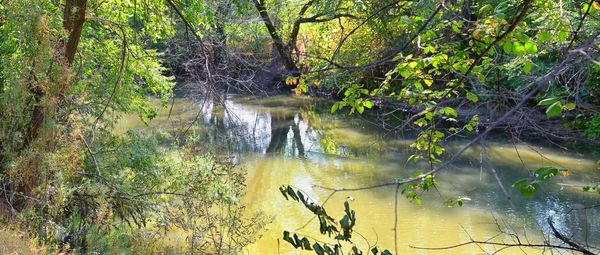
{"x":327,"y":226}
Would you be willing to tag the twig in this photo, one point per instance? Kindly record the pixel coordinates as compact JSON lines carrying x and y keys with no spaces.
{"x":576,"y":32}
{"x":119,"y":75}
{"x":92,"y":154}
{"x":575,"y":246}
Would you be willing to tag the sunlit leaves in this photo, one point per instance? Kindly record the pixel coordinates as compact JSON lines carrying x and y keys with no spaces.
{"x":529,"y":186}
{"x":472,"y":97}
{"x":544,"y":36}
{"x":507,"y":47}
{"x":528,"y":67}
{"x":412,"y":190}
{"x":530,"y":47}
{"x":553,"y":110}
{"x":354,"y":99}
{"x":518,"y":49}
{"x":472,"y":124}
{"x":548,"y":101}
{"x":449,"y":111}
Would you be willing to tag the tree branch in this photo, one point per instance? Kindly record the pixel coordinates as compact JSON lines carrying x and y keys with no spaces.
{"x":575,"y":246}
{"x":542,"y":82}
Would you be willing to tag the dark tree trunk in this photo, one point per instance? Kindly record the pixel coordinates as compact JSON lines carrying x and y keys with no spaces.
{"x":73,"y":20}
{"x":285,"y":51}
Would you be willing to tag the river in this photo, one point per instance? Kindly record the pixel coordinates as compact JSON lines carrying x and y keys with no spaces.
{"x":289,"y":140}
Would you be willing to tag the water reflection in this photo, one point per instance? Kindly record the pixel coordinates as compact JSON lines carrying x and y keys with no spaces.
{"x":285,"y":140}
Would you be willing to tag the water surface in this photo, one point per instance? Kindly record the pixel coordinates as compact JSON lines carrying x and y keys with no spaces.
{"x":289,"y":140}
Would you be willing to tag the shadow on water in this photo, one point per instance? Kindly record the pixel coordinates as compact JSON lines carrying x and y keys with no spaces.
{"x":286,"y":140}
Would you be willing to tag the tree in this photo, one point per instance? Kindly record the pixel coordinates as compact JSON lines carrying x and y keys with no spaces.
{"x":323,"y":11}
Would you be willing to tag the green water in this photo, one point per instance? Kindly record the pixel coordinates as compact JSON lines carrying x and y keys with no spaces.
{"x":285,"y":141}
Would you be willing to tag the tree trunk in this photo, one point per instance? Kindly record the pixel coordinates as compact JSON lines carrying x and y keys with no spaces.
{"x":73,"y":20}
{"x":285,"y":52}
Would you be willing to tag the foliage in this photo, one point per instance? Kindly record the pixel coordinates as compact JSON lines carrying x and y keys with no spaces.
{"x":327,"y":226}
{"x":78,"y":187}
{"x":593,"y":127}
{"x":556,"y":106}
{"x":529,"y":186}
{"x":451,"y":66}
{"x":138,"y":196}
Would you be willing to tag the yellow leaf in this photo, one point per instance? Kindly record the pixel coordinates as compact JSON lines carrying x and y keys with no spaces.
{"x":596,"y":5}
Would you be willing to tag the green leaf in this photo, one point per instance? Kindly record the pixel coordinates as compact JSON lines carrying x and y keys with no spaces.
{"x":405,"y":73}
{"x":282,"y":190}
{"x":286,"y":237}
{"x":529,"y":190}
{"x":587,"y":8}
{"x":368,"y":104}
{"x":472,"y":97}
{"x":318,"y":249}
{"x":563,"y":35}
{"x":569,"y":106}
{"x":527,"y":67}
{"x":449,"y":111}
{"x":345,"y":222}
{"x":548,"y":101}
{"x":335,"y":107}
{"x":530,"y":47}
{"x":428,"y":82}
{"x":545,"y":173}
{"x":554,"y":110}
{"x":360,"y":109}
{"x":526,"y":187}
{"x":544,"y":36}
{"x":507,"y":47}
{"x":518,"y":49}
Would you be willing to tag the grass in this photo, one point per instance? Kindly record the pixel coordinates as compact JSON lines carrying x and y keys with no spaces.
{"x":13,"y":243}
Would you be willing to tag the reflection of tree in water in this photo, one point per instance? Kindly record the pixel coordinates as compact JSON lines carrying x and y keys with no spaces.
{"x":216,"y":133}
{"x":280,"y":127}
